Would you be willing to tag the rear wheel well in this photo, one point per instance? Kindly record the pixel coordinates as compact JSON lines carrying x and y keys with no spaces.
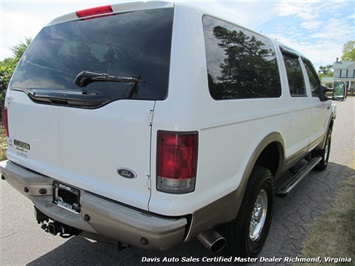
{"x":270,"y":157}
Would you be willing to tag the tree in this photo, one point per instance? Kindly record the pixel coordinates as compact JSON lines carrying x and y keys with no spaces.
{"x":7,"y":66}
{"x":19,"y":49}
{"x":349,"y":51}
{"x":326,"y":71}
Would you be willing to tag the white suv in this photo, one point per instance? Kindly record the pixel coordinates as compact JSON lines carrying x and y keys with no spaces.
{"x":152,"y":123}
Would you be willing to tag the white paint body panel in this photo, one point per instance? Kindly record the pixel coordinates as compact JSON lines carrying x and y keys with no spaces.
{"x":229,"y":131}
{"x":105,"y":140}
{"x":85,"y":148}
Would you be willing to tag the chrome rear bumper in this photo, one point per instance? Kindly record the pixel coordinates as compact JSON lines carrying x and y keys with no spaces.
{"x":98,"y":215}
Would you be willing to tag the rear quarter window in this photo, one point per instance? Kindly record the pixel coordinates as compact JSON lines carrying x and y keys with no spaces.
{"x":240,"y":63}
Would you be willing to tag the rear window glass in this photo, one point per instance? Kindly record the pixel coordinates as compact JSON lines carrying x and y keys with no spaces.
{"x":240,"y":63}
{"x":133,"y":44}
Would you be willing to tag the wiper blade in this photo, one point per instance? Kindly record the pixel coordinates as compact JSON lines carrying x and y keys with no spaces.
{"x":68,"y":98}
{"x":84,"y":78}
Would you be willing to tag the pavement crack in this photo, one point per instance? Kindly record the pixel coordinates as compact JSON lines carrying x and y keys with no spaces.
{"x":9,"y":235}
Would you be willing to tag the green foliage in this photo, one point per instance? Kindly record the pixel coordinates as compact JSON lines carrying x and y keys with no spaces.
{"x":325,"y":71}
{"x":8,"y":66}
{"x":19,"y":49}
{"x":3,"y":144}
{"x":349,"y":51}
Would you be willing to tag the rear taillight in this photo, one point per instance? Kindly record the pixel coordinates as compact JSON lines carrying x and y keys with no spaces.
{"x":101,"y":10}
{"x":177,"y":161}
{"x":6,"y":122}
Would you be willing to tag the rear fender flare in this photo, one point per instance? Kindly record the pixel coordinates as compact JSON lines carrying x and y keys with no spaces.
{"x":273,"y":137}
{"x":226,"y":208}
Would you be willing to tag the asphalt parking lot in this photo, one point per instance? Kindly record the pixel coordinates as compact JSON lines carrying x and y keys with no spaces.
{"x":24,"y":243}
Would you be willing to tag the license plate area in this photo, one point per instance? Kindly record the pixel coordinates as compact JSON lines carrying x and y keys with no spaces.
{"x":66,"y":197}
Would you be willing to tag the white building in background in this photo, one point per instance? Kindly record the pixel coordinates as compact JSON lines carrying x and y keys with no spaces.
{"x":345,"y":71}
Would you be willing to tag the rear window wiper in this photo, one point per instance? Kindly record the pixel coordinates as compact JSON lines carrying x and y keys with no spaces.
{"x":72,"y":98}
{"x":84,"y":78}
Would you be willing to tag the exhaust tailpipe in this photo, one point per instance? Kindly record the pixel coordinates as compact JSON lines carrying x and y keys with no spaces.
{"x":212,"y":240}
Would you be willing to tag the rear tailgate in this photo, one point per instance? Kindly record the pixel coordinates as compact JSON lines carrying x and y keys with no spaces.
{"x":85,"y":148}
{"x":107,"y":151}
{"x":81,"y":101}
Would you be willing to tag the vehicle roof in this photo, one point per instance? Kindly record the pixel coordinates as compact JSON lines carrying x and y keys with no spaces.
{"x":214,"y":9}
{"x":117,"y":8}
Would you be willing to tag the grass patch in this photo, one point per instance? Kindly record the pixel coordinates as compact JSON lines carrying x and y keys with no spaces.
{"x":333,"y":234}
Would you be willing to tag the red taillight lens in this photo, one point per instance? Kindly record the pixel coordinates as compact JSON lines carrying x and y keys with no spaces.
{"x":177,"y":161}
{"x":6,"y":122}
{"x":101,"y":10}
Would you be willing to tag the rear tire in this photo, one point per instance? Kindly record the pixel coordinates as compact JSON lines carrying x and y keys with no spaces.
{"x":247,"y":234}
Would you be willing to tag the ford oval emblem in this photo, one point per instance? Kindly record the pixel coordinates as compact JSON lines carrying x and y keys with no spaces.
{"x":126,"y":173}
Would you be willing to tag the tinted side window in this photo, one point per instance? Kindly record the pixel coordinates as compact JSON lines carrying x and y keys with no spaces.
{"x":294,"y":75}
{"x":312,"y":76}
{"x":240,"y":63}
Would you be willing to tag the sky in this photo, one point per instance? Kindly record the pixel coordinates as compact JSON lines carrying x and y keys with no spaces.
{"x":316,"y":28}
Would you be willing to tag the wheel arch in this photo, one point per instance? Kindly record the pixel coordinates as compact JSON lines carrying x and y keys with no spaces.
{"x":329,"y":127}
{"x":269,"y":153}
{"x":271,"y":145}
{"x":229,"y":205}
